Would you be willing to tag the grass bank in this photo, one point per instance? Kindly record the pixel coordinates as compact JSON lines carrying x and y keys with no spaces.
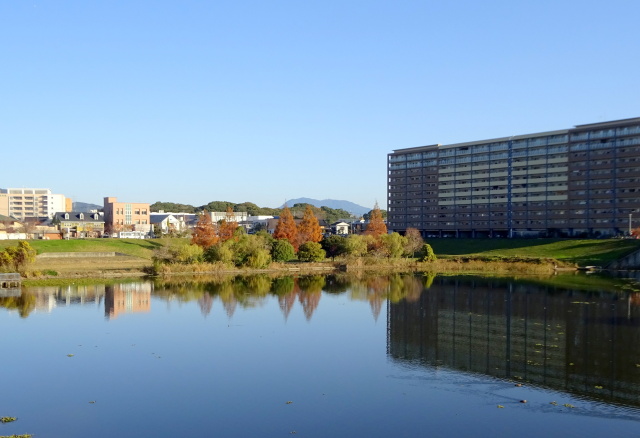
{"x":142,"y":248}
{"x":501,"y":256}
{"x":582,"y":252}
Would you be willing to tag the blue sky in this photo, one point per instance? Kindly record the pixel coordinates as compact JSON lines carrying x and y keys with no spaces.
{"x":195,"y":101}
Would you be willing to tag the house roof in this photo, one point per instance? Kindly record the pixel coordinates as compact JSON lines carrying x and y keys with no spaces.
{"x":79,"y":216}
{"x":4,"y":218}
{"x":158,"y":218}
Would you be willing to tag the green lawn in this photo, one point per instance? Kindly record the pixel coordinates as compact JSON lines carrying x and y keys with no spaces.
{"x":135,"y":247}
{"x":581,"y":251}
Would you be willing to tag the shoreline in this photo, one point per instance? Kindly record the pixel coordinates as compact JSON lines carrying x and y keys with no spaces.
{"x":443,"y":266}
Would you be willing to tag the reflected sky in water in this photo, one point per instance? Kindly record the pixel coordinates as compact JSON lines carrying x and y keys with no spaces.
{"x":320,"y":356}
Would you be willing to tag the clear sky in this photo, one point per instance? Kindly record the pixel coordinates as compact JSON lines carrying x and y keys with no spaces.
{"x":263,"y":101}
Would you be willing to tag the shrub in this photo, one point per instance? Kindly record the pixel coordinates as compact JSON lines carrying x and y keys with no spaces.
{"x":282,"y":250}
{"x":334,"y":245}
{"x":311,"y":252}
{"x":427,"y":254}
{"x":17,"y":257}
{"x":219,"y":253}
{"x":188,"y":254}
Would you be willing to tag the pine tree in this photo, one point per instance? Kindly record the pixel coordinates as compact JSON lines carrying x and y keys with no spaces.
{"x":309,"y":229}
{"x":286,"y":228}
{"x":376,"y":226}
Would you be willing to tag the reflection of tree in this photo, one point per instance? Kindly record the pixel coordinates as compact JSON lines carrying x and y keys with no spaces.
{"x":336,"y":284}
{"x":24,"y":304}
{"x":230,"y":307}
{"x":286,"y":303}
{"x":310,"y":293}
{"x":311,"y":283}
{"x":259,"y":284}
{"x":282,"y":286}
{"x":376,"y":305}
{"x":309,"y":301}
{"x":205,"y":302}
{"x":404,"y":287}
{"x":428,"y":279}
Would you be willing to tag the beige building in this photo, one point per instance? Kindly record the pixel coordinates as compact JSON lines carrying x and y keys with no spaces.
{"x":31,"y":203}
{"x":126,"y":216}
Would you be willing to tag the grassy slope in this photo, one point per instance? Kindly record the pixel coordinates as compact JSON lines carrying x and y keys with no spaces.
{"x":584,"y":251}
{"x":142,"y":248}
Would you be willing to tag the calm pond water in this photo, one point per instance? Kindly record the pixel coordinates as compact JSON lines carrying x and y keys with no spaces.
{"x":386,"y":356}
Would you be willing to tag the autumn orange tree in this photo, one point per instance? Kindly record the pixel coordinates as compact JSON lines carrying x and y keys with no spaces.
{"x":227,"y":226}
{"x":205,"y":233}
{"x":376,"y":226}
{"x":309,"y":229}
{"x":286,"y":228}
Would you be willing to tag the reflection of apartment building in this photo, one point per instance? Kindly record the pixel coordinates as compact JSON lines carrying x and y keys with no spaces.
{"x":552,"y":337}
{"x":572,"y":182}
{"x":127,"y":298}
{"x":124,"y":216}
{"x":31,"y":203}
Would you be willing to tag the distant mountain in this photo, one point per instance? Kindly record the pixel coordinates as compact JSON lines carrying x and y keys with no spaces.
{"x":355,"y":209}
{"x":85,"y":207}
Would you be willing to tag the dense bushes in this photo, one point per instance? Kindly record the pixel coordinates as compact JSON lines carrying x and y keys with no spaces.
{"x":259,"y":250}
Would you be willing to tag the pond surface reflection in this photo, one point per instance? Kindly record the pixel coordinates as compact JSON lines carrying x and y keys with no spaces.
{"x":318,"y":356}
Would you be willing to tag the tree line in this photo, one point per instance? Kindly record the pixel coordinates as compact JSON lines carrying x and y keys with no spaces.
{"x":297,"y":210}
{"x":227,"y":243}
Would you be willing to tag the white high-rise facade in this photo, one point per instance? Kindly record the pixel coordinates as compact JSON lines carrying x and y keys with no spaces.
{"x":30,"y":203}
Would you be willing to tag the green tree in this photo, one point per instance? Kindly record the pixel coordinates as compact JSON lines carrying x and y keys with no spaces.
{"x":282,"y":251}
{"x":356,"y":245}
{"x":222,"y":252}
{"x":171,"y":207}
{"x":311,"y":252}
{"x":334,"y":246}
{"x":427,"y":254}
{"x":334,"y":214}
{"x":18,"y":257}
{"x":367,"y":216}
{"x":187,"y":253}
{"x":251,"y":250}
{"x":217,"y":206}
{"x":393,"y":245}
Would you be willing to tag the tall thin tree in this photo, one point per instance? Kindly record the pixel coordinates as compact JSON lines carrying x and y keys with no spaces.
{"x":309,"y":228}
{"x":286,"y":228}
{"x":376,"y":226}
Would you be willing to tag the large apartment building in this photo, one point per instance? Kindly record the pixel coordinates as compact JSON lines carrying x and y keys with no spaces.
{"x":583,"y":181}
{"x":32,"y":203}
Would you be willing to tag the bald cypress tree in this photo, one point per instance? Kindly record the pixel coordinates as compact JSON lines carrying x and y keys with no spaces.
{"x":309,"y":229}
{"x":376,"y":226}
{"x":286,"y":228}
